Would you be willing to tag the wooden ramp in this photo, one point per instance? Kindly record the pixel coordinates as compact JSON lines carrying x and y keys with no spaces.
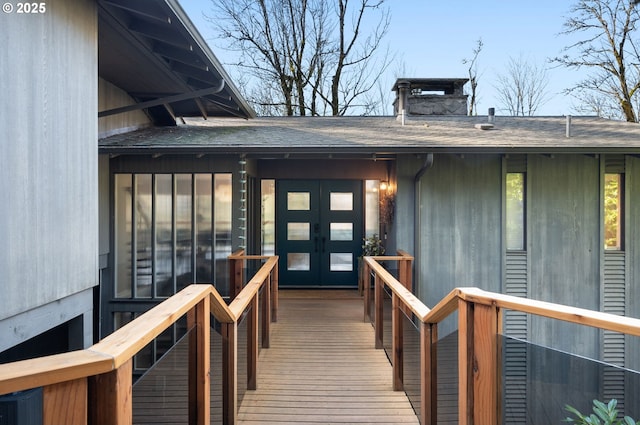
{"x":322,"y":367}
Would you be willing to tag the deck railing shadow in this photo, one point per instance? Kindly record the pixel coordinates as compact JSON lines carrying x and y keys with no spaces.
{"x":94,"y":385}
{"x":473,"y":356}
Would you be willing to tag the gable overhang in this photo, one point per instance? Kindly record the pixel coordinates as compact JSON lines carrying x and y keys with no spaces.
{"x":152,"y":51}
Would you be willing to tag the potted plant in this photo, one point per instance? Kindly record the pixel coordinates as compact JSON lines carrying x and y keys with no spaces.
{"x":371,"y":247}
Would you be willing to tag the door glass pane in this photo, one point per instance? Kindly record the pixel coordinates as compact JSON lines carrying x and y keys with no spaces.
{"x":341,"y":231}
{"x":123,"y":235}
{"x":341,"y":201}
{"x":298,"y":231}
{"x":298,"y":261}
{"x":183,"y":230}
{"x":143,"y":217}
{"x":204,"y":237}
{"x":164,"y":235}
{"x":341,"y":262}
{"x":298,"y":201}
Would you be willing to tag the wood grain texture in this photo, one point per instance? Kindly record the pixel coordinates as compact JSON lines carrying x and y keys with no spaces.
{"x":65,"y":403}
{"x":322,"y":368}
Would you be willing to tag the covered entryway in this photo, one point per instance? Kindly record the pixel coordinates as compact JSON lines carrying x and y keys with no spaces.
{"x":319,"y":232}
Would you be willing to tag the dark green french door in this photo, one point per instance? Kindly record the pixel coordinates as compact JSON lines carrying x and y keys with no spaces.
{"x":319,"y":232}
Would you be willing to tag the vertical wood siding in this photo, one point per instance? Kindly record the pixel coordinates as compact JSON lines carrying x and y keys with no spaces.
{"x":632,"y":248}
{"x":461,"y":225}
{"x":49,"y":173}
{"x":564,"y":245}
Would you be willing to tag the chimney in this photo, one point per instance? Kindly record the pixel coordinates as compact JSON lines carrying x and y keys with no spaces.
{"x":429,"y":96}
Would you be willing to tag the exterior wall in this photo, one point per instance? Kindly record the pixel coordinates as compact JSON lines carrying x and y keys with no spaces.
{"x":564,"y":244}
{"x":633,"y":272}
{"x":633,"y":254}
{"x":461,"y":233}
{"x":110,"y":96}
{"x":48,"y":149}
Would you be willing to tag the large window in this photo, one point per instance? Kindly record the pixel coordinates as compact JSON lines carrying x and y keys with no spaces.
{"x":515,"y":211}
{"x":171,"y":230}
{"x":613,"y":190}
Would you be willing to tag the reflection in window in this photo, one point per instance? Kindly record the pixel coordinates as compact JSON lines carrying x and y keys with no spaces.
{"x":372,"y":209}
{"x":341,"y":201}
{"x":298,"y":201}
{"x":164,"y":235}
{"x":223,"y":216}
{"x":204,"y":236}
{"x":341,"y":262}
{"x":268,"y":216}
{"x":123,"y":234}
{"x":156,"y":218}
{"x":298,"y":261}
{"x":298,"y":231}
{"x":613,"y":211}
{"x":341,"y":231}
{"x":515,"y":211}
{"x":184,"y":241}
{"x":144,"y":253}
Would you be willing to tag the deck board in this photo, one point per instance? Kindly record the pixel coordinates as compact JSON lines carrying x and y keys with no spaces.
{"x":322,"y":368}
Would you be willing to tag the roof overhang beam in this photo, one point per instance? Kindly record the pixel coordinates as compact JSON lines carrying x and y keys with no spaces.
{"x":163,"y":101}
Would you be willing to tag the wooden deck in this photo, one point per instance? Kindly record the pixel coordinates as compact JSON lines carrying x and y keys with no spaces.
{"x":322,"y":367}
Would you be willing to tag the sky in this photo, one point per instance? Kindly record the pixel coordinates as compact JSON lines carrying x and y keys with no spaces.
{"x":431,"y":38}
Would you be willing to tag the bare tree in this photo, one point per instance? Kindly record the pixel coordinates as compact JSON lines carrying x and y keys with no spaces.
{"x":473,"y":76}
{"x":522,"y":89}
{"x":317,"y":51}
{"x":608,"y":47}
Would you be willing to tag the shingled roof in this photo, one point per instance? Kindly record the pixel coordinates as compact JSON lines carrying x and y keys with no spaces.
{"x":384,"y":135}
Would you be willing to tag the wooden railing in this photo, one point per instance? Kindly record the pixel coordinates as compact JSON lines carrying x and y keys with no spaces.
{"x":479,"y":325}
{"x":94,"y":385}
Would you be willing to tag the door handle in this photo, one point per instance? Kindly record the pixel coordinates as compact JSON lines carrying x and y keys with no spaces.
{"x":315,"y":244}
{"x":324,"y":240}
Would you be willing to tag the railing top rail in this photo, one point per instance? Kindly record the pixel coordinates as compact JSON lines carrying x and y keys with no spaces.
{"x":391,"y":257}
{"x":108,"y":354}
{"x":33,"y":373}
{"x":597,"y":319}
{"x":406,"y":297}
{"x":240,"y":303}
{"x":449,"y":304}
{"x":249,"y":257}
{"x":134,"y":336}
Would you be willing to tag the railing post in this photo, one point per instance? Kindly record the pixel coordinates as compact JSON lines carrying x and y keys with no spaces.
{"x":478,"y":364}
{"x":428,"y":373}
{"x":366,"y":282}
{"x":465,"y":363}
{"x":404,"y":276}
{"x":274,"y":292}
{"x":404,"y":273}
{"x":229,"y":373}
{"x":486,"y":379}
{"x":65,"y":403}
{"x":379,"y":311}
{"x":397,"y":344}
{"x":252,"y":344}
{"x":235,"y":276}
{"x":266,"y":314}
{"x":111,"y":396}
{"x":200,"y":363}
